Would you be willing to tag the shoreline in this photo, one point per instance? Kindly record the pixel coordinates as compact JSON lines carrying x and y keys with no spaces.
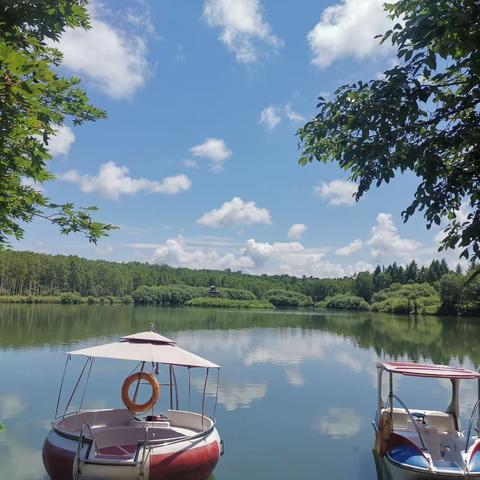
{"x":199,"y":302}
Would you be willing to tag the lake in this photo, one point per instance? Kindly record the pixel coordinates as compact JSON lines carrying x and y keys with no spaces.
{"x":298,"y":388}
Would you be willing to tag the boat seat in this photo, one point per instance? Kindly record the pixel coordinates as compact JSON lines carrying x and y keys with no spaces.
{"x":431,"y":439}
{"x":115,"y":452}
{"x":443,"y":422}
{"x":401,"y":419}
{"x":115,"y":436}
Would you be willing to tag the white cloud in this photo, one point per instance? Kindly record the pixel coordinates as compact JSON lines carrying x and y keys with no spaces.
{"x":112,"y":59}
{"x":270,"y":117}
{"x":113,"y":180}
{"x":347,"y":29}
{"x":293,"y":258}
{"x":260,"y":252}
{"x":214,"y":150}
{"x":172,"y":185}
{"x":234,"y":213}
{"x":384,"y":239}
{"x":339,"y":423}
{"x":176,"y":252}
{"x":292,"y":115}
{"x":242,"y":25}
{"x":60,"y":143}
{"x":256,"y":257}
{"x":349,"y":249}
{"x":337,"y":192}
{"x":141,"y":17}
{"x":190,"y":163}
{"x":105,"y":249}
{"x":296,"y":231}
{"x":30,"y":182}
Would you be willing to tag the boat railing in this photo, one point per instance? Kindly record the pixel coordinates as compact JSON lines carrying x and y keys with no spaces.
{"x":145,"y":454}
{"x":470,"y":424}
{"x":424,"y":448}
{"x":81,"y":440}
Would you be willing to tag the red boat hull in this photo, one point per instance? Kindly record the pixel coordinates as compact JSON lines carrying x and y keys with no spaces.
{"x":195,"y":463}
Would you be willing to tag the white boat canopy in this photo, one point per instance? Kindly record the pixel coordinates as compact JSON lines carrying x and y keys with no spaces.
{"x":146,"y":347}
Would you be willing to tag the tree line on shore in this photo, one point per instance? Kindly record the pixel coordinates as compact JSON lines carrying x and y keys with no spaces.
{"x":35,"y":277}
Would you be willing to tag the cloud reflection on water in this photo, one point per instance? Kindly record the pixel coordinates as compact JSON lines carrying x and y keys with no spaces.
{"x":339,"y":423}
{"x":11,"y":405}
{"x":233,"y":395}
{"x":20,"y":462}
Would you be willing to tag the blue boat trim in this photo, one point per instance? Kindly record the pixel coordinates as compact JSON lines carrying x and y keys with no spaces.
{"x":409,"y":456}
{"x":474,"y":465}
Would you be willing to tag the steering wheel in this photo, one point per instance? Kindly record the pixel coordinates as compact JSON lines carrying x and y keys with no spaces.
{"x":419,"y":416}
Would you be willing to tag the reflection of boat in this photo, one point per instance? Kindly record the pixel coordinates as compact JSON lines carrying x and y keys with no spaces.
{"x":116,"y":443}
{"x":425,"y":444}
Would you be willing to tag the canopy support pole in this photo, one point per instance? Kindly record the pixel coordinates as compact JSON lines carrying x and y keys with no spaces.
{"x":203,"y":396}
{"x":138,"y":384}
{"x":216,"y":395}
{"x":61,"y":385}
{"x":391,"y":393}
{"x":86,"y":382}
{"x":454,"y":407}
{"x":478,"y":414}
{"x":176,"y":386}
{"x":379,"y":389}
{"x":171,"y":391}
{"x":189,"y":388}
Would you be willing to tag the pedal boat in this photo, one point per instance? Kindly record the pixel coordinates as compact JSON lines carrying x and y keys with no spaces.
{"x":425,"y":444}
{"x":119,"y":444}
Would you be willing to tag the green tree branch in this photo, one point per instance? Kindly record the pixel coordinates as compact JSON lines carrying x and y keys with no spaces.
{"x":422,"y":116}
{"x":34,"y":101}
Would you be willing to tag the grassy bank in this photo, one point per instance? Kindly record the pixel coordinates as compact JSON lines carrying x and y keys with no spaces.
{"x":67,"y":299}
{"x":154,"y":296}
{"x":228,"y":303}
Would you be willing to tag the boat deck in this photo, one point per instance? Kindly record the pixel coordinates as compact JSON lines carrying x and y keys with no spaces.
{"x":443,"y":442}
{"x":116,"y":434}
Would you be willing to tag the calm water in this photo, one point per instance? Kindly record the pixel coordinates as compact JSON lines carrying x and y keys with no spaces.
{"x":297,"y":390}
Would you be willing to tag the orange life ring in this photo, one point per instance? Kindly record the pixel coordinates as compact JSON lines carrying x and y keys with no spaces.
{"x":140,"y":407}
{"x":385,"y":428}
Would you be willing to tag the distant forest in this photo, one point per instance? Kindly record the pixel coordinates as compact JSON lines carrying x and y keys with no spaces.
{"x":28,"y":273}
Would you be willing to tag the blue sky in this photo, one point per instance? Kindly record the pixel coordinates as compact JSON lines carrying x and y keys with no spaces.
{"x":197,"y":162}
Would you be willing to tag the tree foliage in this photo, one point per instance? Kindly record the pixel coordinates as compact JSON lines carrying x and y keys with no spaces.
{"x":461,"y":294}
{"x":363,"y":285}
{"x":408,"y":298}
{"x":35,"y":100}
{"x":345,"y":302}
{"x":422,"y":116}
{"x":38,"y":277}
{"x":285,"y":298}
